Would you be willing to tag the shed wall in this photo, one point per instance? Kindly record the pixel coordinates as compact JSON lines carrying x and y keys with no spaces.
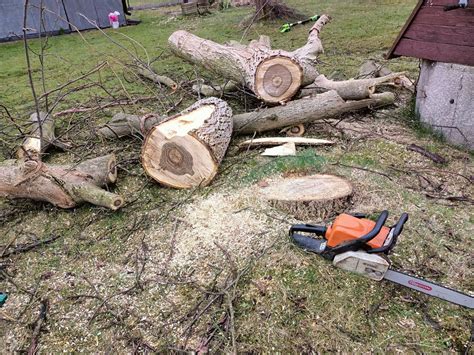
{"x":445,"y":100}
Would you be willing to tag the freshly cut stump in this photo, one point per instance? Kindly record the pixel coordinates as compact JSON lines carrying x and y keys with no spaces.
{"x":313,"y":197}
{"x":185,"y":150}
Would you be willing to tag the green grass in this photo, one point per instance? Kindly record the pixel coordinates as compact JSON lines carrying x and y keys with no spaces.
{"x":289,"y":301}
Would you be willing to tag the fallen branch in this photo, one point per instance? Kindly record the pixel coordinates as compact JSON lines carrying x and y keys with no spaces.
{"x":27,"y":247}
{"x":149,"y":74}
{"x":33,"y":349}
{"x":433,"y":156}
{"x":258,"y":142}
{"x":214,"y":90}
{"x":123,"y":124}
{"x":310,"y":109}
{"x":353,"y":89}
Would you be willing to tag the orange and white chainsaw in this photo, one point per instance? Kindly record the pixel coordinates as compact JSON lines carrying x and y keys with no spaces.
{"x":360,"y":245}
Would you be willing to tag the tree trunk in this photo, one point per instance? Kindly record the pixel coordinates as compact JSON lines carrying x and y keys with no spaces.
{"x":275,"y":76}
{"x":63,"y":186}
{"x":312,"y":197}
{"x":326,"y":105}
{"x":123,"y":124}
{"x":185,"y":150}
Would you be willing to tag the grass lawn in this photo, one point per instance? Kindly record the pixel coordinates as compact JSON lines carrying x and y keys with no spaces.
{"x":154,"y":276}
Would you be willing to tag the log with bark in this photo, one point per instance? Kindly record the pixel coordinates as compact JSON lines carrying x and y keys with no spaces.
{"x":308,"y":109}
{"x":185,"y":150}
{"x":64,"y":186}
{"x":308,"y":197}
{"x":275,"y":76}
{"x":148,"y":73}
{"x":353,"y":89}
{"x":296,"y":112}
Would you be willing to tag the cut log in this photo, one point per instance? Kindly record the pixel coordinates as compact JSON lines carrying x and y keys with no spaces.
{"x":123,"y":124}
{"x":309,"y":109}
{"x":294,"y":131}
{"x":274,"y":76}
{"x":40,"y":138}
{"x":260,"y":142}
{"x":149,"y":74}
{"x":287,"y":149}
{"x":353,"y":89}
{"x":313,"y":197}
{"x":185,"y":150}
{"x":63,"y":186}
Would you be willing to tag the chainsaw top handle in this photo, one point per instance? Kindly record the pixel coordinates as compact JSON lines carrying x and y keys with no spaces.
{"x":361,"y":242}
{"x":392,"y":238}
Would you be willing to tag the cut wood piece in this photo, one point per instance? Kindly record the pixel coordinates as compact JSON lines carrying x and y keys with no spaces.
{"x":185,"y":150}
{"x":313,"y":197}
{"x":287,"y":149}
{"x":41,"y":136}
{"x":123,"y":124}
{"x":64,"y":186}
{"x":353,"y":89}
{"x":309,"y":109}
{"x":149,"y":74}
{"x":294,"y":131}
{"x":273,"y":75}
{"x":259,"y":142}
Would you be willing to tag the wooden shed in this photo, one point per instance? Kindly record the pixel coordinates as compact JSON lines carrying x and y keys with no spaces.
{"x":441,"y":34}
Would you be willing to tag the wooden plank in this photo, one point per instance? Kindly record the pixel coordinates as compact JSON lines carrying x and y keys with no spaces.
{"x":456,"y":35}
{"x":390,"y":53}
{"x":271,"y":141}
{"x":437,"y":16}
{"x":440,"y":52}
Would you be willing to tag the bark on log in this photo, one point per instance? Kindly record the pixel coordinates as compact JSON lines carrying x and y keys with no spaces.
{"x":185,"y":150}
{"x":63,"y":186}
{"x":275,"y":76}
{"x":309,"y":109}
{"x":309,"y":197}
{"x":271,"y":141}
{"x":353,"y":89}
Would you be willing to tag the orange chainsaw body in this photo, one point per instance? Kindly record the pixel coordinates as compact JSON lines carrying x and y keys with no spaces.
{"x":347,"y":227}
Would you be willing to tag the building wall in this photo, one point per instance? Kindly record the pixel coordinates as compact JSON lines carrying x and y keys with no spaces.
{"x":445,"y":100}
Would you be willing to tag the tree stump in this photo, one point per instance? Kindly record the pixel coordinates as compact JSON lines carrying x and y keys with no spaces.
{"x":313,"y":197}
{"x":275,"y":76}
{"x":185,"y":150}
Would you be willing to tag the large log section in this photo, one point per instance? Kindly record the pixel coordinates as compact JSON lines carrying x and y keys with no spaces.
{"x":64,"y":186}
{"x":185,"y":150}
{"x":275,"y":76}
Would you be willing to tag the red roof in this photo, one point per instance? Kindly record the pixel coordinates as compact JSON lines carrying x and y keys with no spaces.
{"x":438,"y":35}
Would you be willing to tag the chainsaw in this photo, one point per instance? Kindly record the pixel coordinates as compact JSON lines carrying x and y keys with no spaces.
{"x":359,"y":245}
{"x":287,"y":26}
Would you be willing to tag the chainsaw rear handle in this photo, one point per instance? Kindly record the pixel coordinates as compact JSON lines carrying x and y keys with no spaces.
{"x":308,"y":228}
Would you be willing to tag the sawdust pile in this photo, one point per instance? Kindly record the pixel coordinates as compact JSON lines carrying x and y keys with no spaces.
{"x":226,"y":227}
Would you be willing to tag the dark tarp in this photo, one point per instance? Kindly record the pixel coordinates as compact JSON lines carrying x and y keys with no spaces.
{"x":57,"y":16}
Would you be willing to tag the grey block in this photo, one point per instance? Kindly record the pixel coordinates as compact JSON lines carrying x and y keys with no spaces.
{"x":444,"y":100}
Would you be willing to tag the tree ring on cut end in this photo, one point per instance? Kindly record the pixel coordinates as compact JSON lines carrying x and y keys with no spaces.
{"x":176,"y":159}
{"x":277,"y":79}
